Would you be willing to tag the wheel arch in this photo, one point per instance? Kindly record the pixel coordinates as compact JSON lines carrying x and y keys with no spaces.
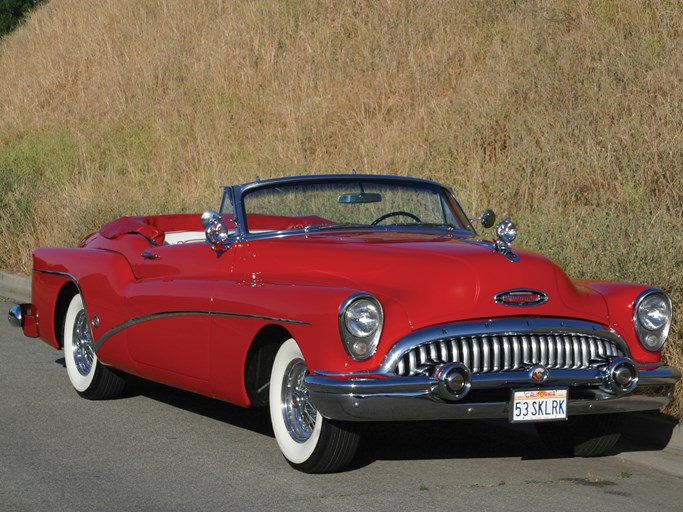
{"x":259,"y":362}
{"x":67,"y":292}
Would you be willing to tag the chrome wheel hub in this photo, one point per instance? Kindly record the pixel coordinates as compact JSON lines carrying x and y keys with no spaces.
{"x":82,"y":345}
{"x":297,"y":408}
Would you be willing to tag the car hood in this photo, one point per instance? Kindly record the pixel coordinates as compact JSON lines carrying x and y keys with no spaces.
{"x":434,"y":278}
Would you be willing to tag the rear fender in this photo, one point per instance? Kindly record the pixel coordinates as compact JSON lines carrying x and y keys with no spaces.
{"x":58,"y":274}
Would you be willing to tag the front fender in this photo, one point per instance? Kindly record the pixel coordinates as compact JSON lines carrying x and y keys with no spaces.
{"x":310,"y":314}
{"x":620,"y":299}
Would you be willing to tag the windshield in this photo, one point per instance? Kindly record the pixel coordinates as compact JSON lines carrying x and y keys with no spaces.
{"x":357,"y":204}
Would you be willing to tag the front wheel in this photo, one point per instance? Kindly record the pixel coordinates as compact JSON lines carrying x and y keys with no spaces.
{"x":582,"y":436}
{"x":309,"y":442}
{"x":90,"y":378}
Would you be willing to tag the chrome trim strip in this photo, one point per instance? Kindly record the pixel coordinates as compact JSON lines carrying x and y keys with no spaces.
{"x":514,"y":327}
{"x":64,"y":274}
{"x":75,"y":282}
{"x":164,"y":314}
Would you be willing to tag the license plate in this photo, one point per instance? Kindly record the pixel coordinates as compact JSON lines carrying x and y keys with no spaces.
{"x":538,"y":405}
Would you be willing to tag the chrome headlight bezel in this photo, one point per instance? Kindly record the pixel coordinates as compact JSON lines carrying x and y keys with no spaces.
{"x":652,"y":316}
{"x":361,"y":319}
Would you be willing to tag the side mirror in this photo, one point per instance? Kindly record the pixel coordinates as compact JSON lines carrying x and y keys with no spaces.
{"x":487,"y":218}
{"x":215,"y":230}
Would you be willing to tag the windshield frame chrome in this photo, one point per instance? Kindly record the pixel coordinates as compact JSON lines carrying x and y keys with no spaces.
{"x":234,"y":196}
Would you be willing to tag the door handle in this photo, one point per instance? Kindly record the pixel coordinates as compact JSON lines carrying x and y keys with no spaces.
{"x":149,"y":255}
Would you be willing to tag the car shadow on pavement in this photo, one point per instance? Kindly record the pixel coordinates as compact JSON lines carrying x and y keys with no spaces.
{"x":648,"y":430}
{"x":418,"y":440}
{"x":472,"y":439}
{"x":255,"y":419}
{"x":464,"y":439}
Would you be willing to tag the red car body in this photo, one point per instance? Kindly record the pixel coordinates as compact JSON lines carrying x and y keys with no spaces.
{"x":165,"y":304}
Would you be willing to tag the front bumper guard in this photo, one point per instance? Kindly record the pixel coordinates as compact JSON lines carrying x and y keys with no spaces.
{"x":382,"y":397}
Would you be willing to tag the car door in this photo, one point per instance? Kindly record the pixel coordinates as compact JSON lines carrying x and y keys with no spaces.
{"x":170,"y":310}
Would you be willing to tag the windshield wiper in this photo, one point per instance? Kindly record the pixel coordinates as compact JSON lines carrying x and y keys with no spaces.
{"x":450,"y":227}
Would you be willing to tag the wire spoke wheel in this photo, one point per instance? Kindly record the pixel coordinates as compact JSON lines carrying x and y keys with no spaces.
{"x":83,"y":350}
{"x":89,"y":377}
{"x":297,"y":408}
{"x":309,"y":442}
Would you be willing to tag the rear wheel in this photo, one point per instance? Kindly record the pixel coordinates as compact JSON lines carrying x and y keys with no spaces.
{"x":90,"y":378}
{"x":582,"y":436}
{"x":309,"y":442}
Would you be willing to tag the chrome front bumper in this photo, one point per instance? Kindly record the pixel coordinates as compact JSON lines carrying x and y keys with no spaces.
{"x":382,"y":397}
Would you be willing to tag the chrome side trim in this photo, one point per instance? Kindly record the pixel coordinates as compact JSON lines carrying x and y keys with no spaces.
{"x":64,"y":274}
{"x":165,"y":314}
{"x":75,"y":282}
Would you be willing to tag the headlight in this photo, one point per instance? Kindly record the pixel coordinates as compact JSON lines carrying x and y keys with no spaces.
{"x":652,"y":318}
{"x":360,"y":325}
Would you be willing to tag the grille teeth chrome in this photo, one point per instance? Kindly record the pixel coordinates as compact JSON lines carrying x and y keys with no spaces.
{"x":510,"y":352}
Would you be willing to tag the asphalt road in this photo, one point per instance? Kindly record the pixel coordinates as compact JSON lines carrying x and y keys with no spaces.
{"x":162,"y":449}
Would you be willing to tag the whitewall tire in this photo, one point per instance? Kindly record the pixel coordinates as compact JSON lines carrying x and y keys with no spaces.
{"x":308,"y":441}
{"x":88,"y":376}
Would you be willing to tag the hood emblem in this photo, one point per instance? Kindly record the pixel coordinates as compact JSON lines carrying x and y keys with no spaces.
{"x":522,"y":298}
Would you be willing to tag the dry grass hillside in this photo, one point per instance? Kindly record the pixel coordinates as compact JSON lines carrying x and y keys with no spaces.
{"x":568,"y":115}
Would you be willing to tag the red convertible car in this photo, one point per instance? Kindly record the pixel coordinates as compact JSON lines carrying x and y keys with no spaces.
{"x":342,"y":299}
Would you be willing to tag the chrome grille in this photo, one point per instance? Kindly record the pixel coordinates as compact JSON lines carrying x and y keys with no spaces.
{"x":510,"y":352}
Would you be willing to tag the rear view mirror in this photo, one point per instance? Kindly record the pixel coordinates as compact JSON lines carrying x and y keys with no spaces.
{"x":363,"y":197}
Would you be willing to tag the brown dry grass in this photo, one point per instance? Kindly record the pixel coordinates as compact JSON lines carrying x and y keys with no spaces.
{"x":567,"y":115}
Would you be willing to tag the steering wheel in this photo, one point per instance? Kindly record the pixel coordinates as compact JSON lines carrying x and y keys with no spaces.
{"x":397,"y":214}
